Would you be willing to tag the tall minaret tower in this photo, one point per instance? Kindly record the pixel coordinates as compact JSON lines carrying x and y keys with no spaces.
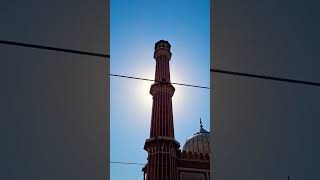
{"x":161,"y":146}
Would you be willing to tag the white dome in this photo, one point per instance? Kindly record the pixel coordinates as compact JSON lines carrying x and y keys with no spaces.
{"x":199,"y":142}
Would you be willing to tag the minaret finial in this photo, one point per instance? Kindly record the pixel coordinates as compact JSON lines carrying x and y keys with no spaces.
{"x":201,"y":124}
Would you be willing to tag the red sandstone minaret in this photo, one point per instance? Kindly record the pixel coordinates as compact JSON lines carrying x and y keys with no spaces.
{"x":161,"y":146}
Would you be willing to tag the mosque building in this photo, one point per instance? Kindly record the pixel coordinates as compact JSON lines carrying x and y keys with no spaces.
{"x":166,"y":160}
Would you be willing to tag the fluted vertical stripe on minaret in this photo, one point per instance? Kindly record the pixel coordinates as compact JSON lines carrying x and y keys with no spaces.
{"x":154,"y":166}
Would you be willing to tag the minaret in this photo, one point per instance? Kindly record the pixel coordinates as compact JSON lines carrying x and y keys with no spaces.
{"x":161,"y":146}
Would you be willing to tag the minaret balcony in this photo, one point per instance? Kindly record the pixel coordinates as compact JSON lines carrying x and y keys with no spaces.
{"x":162,"y":87}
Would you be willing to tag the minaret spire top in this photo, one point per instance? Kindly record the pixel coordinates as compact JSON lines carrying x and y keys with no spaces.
{"x":201,"y":124}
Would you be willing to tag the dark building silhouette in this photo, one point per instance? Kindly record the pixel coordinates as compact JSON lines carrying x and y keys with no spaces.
{"x":165,"y":160}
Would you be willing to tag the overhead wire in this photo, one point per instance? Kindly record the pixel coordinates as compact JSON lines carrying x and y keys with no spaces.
{"x":265,"y":77}
{"x":234,"y":73}
{"x":54,"y":49}
{"x":145,"y":79}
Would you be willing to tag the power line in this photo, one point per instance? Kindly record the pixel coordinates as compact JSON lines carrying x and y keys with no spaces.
{"x":85,"y":53}
{"x":54,"y":49}
{"x":128,"y":163}
{"x":265,"y":77}
{"x":211,"y":70}
{"x":144,"y":79}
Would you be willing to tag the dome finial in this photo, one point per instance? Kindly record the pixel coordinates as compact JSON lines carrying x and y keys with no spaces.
{"x":201,"y":128}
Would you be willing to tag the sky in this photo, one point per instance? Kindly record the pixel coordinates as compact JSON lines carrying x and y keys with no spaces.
{"x":135,"y":26}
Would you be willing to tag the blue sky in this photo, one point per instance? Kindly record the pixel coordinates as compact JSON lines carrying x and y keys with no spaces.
{"x":135,"y":25}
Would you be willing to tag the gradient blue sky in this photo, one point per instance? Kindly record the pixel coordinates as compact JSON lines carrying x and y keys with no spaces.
{"x":135,"y":26}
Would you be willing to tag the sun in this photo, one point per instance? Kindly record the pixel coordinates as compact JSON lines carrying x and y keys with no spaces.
{"x":143,"y":97}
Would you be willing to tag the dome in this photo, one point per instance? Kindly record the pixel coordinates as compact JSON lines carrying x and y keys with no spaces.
{"x":199,"y":142}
